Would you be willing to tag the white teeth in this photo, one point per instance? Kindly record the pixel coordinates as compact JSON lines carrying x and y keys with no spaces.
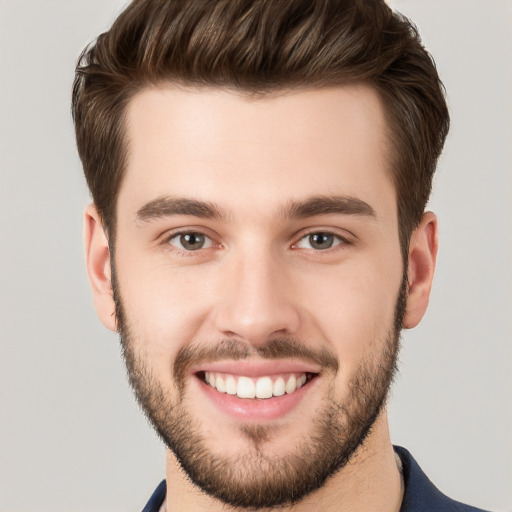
{"x":231,"y":385}
{"x":291,"y":384}
{"x":220,"y":384}
{"x":263,"y":387}
{"x":245,"y":388}
{"x":279,"y":387}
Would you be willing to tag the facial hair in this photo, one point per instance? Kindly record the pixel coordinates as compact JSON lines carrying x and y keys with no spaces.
{"x":253,"y":479}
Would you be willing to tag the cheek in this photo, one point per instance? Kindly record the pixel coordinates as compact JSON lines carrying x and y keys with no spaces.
{"x":164,"y":308}
{"x":355,"y":310}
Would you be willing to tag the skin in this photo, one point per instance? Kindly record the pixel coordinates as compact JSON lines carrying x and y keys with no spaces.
{"x":259,"y":279}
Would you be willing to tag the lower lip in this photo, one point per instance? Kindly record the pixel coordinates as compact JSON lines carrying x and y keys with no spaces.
{"x":253,"y":409}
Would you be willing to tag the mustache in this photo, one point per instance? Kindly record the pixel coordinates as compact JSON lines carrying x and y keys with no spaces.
{"x":279,"y":348}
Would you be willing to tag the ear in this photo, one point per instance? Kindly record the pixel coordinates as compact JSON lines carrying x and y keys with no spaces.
{"x":422,"y":263}
{"x":97,"y":254}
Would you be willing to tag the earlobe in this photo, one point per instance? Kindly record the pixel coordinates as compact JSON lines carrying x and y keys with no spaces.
{"x":422,"y":262}
{"x":97,"y":255}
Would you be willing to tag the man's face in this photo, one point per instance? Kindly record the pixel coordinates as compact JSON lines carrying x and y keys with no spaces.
{"x":257,"y":253}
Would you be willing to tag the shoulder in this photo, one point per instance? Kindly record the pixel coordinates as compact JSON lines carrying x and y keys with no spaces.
{"x":420,"y":494}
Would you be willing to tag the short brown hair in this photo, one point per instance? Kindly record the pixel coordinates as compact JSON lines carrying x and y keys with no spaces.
{"x":261,"y":46}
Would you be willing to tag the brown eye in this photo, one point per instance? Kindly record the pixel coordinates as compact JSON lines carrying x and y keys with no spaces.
{"x":190,"y":241}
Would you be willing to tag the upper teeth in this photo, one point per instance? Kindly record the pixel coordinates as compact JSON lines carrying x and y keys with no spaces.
{"x":262,"y":387}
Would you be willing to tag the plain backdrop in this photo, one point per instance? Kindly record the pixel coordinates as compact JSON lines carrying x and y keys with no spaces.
{"x":71,"y":436}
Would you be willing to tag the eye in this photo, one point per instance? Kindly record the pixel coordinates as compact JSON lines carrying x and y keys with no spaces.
{"x":319,"y":241}
{"x":190,"y":241}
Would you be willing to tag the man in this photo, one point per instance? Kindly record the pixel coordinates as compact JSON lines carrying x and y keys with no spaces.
{"x":259,"y":172}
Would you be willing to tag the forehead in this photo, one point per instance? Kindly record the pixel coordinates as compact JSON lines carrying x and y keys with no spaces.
{"x":211,"y":142}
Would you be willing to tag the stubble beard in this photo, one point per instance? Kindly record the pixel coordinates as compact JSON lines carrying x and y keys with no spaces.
{"x":254,"y":479}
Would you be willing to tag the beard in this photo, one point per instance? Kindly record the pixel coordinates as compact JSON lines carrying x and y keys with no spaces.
{"x":254,"y":479}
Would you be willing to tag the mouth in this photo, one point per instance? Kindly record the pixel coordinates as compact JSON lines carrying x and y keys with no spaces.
{"x":256,"y":392}
{"x":260,"y":388}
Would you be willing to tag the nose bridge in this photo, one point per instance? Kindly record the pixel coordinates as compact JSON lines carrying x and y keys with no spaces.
{"x":256,"y":303}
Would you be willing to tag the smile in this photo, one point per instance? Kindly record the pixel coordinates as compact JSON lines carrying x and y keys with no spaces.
{"x":256,"y":390}
{"x":263,"y":387}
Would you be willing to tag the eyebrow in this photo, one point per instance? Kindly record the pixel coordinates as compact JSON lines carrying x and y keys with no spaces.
{"x":325,"y":205}
{"x":168,"y":206}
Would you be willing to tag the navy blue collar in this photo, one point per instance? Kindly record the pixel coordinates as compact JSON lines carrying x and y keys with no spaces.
{"x":420,"y":494}
{"x":157,"y":498}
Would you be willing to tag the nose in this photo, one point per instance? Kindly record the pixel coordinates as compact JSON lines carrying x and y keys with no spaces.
{"x":257,"y":301}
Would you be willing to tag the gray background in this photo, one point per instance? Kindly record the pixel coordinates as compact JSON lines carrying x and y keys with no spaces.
{"x":72,"y":438}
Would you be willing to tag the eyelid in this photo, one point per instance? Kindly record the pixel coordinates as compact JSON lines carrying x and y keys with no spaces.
{"x":208,"y":240}
{"x":166,"y":238}
{"x":344,"y":239}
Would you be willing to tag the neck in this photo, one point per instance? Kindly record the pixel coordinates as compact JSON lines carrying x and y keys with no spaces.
{"x":370,"y":481}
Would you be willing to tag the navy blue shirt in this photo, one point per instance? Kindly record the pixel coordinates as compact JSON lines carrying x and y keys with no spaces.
{"x":420,"y":494}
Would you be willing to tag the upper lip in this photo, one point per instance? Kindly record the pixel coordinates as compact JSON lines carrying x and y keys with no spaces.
{"x":257,"y":368}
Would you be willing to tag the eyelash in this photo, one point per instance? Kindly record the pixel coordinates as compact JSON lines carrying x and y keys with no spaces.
{"x":342,"y":241}
{"x":188,"y":253}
